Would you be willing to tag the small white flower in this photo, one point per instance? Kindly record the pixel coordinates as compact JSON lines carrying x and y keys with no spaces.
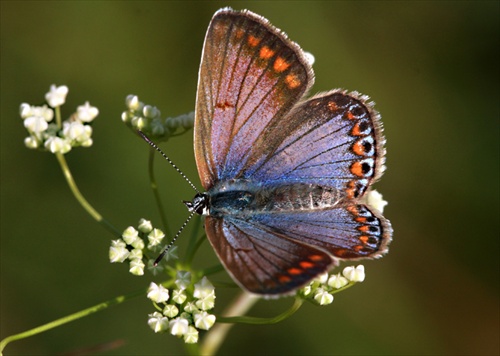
{"x":145,"y":226}
{"x":139,"y":122}
{"x":56,"y":144}
{"x":155,"y":237}
{"x":322,"y":297}
{"x":170,"y":310}
{"x":57,"y":95}
{"x":130,"y":235}
{"x":322,"y":278}
{"x":76,"y":131}
{"x":86,"y":112}
{"x":203,"y":288}
{"x":43,"y":111}
{"x":179,"y":296}
{"x":25,"y":110}
{"x":138,"y":244}
{"x":150,"y":111}
{"x":136,"y":267}
{"x":179,"y":326}
{"x":158,"y":322}
{"x":337,"y":281}
{"x":203,"y":320}
{"x":157,"y":293}
{"x":307,"y":290}
{"x":354,"y":274}
{"x":35,"y":124}
{"x":132,"y":102}
{"x":191,"y":337}
{"x":136,"y":254}
{"x":183,"y":279}
{"x":375,"y":200}
{"x":118,"y":251}
{"x":31,"y":142}
{"x":206,"y":303}
{"x":190,"y":307}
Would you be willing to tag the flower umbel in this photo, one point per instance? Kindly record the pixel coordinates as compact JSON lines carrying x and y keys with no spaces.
{"x":135,"y":245}
{"x":57,"y":137}
{"x":321,"y":290}
{"x":147,"y":118}
{"x":181,"y":311}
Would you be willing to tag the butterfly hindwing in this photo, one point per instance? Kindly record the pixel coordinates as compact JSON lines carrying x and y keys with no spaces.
{"x":261,"y":260}
{"x":347,"y":231}
{"x":333,"y":139}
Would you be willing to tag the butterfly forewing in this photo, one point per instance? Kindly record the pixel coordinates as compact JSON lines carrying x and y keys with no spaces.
{"x":250,"y":77}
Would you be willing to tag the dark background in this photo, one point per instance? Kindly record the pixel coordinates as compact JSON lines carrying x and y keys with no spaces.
{"x":431,"y":67}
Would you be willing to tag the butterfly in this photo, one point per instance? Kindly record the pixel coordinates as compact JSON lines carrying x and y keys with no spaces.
{"x":285,"y":177}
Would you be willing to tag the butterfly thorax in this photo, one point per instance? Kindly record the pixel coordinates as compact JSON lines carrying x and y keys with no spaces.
{"x":244,"y":197}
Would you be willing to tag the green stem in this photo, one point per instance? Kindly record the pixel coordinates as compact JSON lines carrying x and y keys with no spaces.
{"x":69,"y":318}
{"x":156,"y":193}
{"x":264,"y":321}
{"x":58,"y":117}
{"x":83,"y":202}
{"x":194,"y":243}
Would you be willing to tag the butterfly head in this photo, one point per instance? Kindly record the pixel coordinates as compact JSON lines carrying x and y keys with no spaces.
{"x":199,"y":204}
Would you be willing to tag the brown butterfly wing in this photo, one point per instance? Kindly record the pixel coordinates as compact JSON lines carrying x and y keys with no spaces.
{"x":250,"y":76}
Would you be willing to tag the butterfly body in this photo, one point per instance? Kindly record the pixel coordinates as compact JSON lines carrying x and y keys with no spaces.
{"x":286,"y":178}
{"x":239,"y":199}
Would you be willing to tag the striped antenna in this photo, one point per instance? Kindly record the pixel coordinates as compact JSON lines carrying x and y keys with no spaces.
{"x":152,"y":144}
{"x":165,"y":250}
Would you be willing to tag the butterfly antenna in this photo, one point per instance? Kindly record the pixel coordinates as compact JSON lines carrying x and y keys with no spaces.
{"x":152,"y":144}
{"x":165,"y":250}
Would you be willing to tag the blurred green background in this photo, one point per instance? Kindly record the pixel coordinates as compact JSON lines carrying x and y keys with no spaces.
{"x":431,"y":67}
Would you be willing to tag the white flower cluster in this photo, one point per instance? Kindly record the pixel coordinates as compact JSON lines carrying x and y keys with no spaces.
{"x":147,"y":118}
{"x":321,"y":290}
{"x":133,"y":244}
{"x":52,"y":136}
{"x":184,"y":308}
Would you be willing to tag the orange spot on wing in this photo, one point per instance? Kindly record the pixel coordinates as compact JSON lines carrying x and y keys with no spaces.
{"x":358,"y":248}
{"x":266,"y":52}
{"x":363,"y":228}
{"x":316,"y":258}
{"x":360,"y":219}
{"x":358,"y":148}
{"x":294,"y":271}
{"x":292,"y":81}
{"x":280,"y":65}
{"x":350,"y":115}
{"x":306,"y":264}
{"x":364,"y":238}
{"x":357,"y":169}
{"x":253,"y":41}
{"x":356,"y":131}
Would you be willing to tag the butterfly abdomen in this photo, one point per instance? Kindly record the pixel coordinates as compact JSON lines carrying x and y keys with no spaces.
{"x":239,"y":198}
